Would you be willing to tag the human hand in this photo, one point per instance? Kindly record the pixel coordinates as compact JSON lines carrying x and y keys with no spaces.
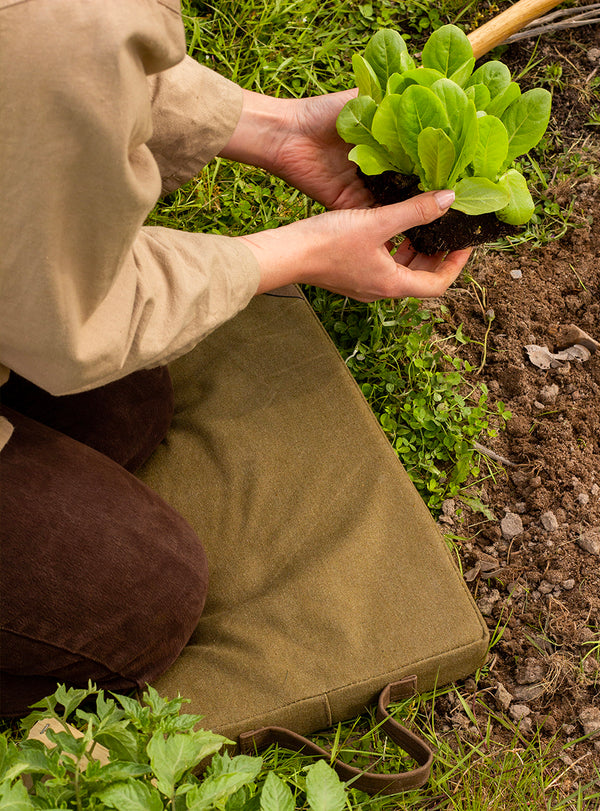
{"x":296,"y":140}
{"x":348,"y":252}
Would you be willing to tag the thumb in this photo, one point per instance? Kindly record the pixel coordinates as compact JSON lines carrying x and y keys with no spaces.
{"x":419,"y":210}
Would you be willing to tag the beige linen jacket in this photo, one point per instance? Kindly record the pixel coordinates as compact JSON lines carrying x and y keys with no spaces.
{"x":100,"y":109}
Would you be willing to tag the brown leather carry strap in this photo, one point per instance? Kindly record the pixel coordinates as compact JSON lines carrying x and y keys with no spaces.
{"x":260,"y":739}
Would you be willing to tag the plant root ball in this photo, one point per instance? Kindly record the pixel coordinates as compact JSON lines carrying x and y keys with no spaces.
{"x":451,"y":232}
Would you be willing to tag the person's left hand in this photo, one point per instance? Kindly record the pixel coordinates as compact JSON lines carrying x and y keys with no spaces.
{"x":296,"y":139}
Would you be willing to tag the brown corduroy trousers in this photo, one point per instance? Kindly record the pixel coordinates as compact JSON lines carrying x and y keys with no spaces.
{"x":99,"y":578}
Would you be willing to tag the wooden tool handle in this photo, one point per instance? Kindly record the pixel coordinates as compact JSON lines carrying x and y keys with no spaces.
{"x":509,"y":22}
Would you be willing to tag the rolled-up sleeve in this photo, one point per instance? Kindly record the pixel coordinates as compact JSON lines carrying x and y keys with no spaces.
{"x":104,"y":112}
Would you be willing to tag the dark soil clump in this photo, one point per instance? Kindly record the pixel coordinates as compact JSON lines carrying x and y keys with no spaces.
{"x":451,"y":232}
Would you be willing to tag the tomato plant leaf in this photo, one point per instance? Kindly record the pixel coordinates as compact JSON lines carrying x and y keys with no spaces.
{"x":324,"y":790}
{"x":131,"y":796}
{"x":276,"y":795}
{"x":174,"y":754}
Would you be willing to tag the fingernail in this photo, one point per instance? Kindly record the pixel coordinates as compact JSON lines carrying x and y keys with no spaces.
{"x":444,"y":198}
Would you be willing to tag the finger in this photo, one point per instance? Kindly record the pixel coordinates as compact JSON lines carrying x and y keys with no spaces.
{"x":405,"y":253}
{"x":422,"y":261}
{"x":419,"y":210}
{"x":431,"y":283}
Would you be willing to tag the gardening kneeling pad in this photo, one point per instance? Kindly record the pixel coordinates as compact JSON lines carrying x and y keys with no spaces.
{"x":328,"y":577}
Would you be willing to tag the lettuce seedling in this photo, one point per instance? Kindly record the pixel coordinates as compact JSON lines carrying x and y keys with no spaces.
{"x":451,"y":127}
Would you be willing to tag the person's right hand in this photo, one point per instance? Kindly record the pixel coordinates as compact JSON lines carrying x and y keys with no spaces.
{"x":348,"y":252}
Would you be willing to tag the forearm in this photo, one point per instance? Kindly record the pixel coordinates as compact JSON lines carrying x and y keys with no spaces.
{"x":347,"y":252}
{"x":264,"y":122}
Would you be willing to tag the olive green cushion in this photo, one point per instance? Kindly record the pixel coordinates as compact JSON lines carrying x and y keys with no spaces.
{"x":328,"y":576}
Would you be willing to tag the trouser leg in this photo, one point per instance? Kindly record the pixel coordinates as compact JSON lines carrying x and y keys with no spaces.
{"x":99,"y":578}
{"x":124,"y":420}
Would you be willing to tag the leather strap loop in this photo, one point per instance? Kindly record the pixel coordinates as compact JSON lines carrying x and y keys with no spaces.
{"x":260,"y":739}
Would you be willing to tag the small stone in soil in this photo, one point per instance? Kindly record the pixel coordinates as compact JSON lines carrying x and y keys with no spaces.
{"x":590,"y":721}
{"x":503,"y":697}
{"x":549,"y":521}
{"x":531,"y":671}
{"x":589,"y":541}
{"x":511,"y":526}
{"x":519,"y":711}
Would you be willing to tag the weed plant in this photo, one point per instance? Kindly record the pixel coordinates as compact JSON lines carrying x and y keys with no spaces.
{"x":417,"y":385}
{"x":157,"y":759}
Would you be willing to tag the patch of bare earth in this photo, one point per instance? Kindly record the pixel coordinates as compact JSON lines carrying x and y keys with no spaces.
{"x":535,"y":570}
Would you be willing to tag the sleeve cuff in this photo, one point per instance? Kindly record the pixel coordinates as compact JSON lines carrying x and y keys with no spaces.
{"x":194,"y":112}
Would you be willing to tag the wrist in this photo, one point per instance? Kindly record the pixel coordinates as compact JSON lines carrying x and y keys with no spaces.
{"x":260,"y":131}
{"x":290,"y":254}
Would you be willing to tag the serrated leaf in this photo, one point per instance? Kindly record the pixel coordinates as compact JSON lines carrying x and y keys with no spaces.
{"x":71,"y":698}
{"x":132,"y":795}
{"x":214,"y":790}
{"x":170,"y":757}
{"x":30,"y":758}
{"x":120,"y":741}
{"x":276,"y":795}
{"x":14,"y":798}
{"x":324,"y":789}
{"x":225,"y":764}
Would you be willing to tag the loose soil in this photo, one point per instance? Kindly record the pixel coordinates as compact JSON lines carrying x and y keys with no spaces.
{"x":540,"y":582}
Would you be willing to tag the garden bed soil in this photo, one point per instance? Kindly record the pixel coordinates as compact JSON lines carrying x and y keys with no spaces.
{"x":534,"y":569}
